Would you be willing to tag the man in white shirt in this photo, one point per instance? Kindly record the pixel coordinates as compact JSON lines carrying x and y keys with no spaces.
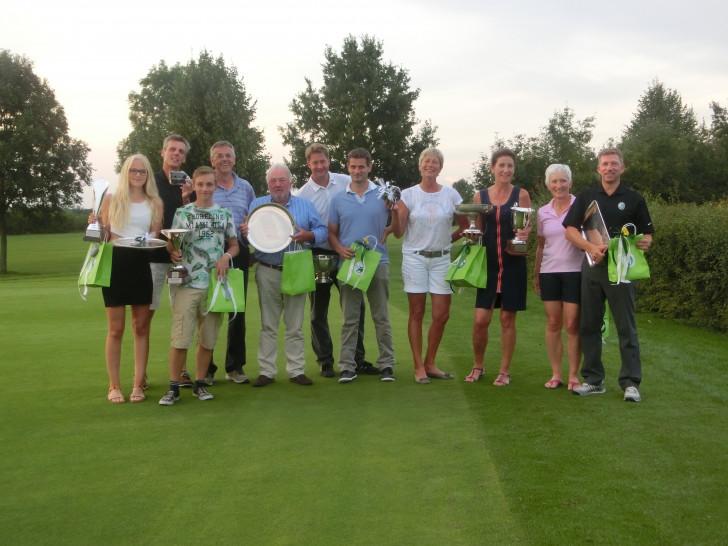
{"x":320,"y":190}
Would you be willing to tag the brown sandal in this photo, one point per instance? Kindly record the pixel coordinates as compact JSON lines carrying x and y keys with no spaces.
{"x":115,"y":396}
{"x":475,"y":375}
{"x":137,"y":395}
{"x":502,"y":380}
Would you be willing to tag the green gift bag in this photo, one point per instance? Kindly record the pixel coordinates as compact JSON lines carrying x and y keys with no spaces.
{"x":226,"y":296}
{"x":96,"y":269}
{"x":358,"y":271}
{"x":298,"y":275}
{"x":470,"y":268}
{"x":626,"y":262}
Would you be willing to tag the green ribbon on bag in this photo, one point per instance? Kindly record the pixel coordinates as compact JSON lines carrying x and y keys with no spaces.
{"x":627,"y":262}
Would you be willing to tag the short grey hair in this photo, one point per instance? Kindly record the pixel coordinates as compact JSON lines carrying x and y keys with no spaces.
{"x":557,"y":168}
{"x":278,"y":166}
{"x":432,"y":151}
{"x":221,"y":144}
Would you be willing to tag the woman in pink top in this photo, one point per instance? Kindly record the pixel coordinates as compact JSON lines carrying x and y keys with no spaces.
{"x":557,"y":277}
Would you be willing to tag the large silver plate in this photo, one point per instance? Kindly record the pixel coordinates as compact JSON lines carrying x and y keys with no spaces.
{"x":270,"y":227}
{"x":148,"y":243}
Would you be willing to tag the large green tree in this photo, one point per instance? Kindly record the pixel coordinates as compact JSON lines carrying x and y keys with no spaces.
{"x":666,"y":152}
{"x":204,"y":101}
{"x":564,"y":139}
{"x":41,"y":167}
{"x":363,"y":102}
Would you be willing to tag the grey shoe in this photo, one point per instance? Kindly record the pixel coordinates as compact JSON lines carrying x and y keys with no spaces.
{"x":585,"y":389}
{"x":387,"y":374}
{"x":237,"y":377}
{"x":347,"y":376}
{"x":631,"y":394}
{"x":202,"y":393}
{"x":209,"y":379}
{"x":169,"y":399}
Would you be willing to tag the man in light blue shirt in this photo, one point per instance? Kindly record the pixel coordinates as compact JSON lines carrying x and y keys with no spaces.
{"x":310,"y":229}
{"x":355,"y":214}
{"x":320,"y":189}
{"x":235,"y":194}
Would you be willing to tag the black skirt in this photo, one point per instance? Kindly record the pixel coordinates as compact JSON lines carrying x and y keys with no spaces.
{"x":131,"y":278}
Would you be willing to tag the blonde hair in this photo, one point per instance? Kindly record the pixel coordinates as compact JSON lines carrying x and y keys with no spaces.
{"x":119,"y":207}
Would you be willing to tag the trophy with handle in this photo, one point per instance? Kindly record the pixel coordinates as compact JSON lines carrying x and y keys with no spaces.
{"x":93,"y":231}
{"x":521,"y":216}
{"x":178,"y":273}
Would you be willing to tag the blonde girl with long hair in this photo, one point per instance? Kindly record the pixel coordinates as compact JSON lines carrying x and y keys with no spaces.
{"x":134,"y":209}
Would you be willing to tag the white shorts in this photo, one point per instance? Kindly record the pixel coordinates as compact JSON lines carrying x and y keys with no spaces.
{"x":422,"y":275}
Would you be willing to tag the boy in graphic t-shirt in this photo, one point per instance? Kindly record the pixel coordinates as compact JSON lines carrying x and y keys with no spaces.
{"x":202,"y":255}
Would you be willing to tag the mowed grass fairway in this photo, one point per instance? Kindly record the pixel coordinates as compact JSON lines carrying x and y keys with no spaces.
{"x":364,"y":463}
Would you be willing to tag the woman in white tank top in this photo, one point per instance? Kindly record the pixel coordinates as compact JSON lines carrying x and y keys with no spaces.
{"x":135,"y":209}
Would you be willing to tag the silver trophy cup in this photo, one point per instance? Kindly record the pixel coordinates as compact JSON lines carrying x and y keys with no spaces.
{"x":521,"y":216}
{"x":472,"y":210}
{"x":324,"y":265}
{"x":178,"y":273}
{"x":93,"y":231}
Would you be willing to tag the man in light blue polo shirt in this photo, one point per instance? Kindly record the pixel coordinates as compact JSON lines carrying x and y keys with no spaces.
{"x":309,"y":228}
{"x":320,"y":189}
{"x":235,"y":194}
{"x":354,"y":214}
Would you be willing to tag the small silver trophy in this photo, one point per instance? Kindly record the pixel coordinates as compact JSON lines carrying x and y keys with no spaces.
{"x":178,"y":273}
{"x":324,"y":265}
{"x":93,"y":231}
{"x":521,"y":216}
{"x":472,"y":210}
{"x":389,"y":191}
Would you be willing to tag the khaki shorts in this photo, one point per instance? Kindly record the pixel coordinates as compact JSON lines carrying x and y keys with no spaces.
{"x":190,"y":305}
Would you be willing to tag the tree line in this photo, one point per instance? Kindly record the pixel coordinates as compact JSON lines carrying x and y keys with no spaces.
{"x":363,"y":101}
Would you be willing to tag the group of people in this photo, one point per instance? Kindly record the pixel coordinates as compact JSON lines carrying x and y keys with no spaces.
{"x":332,"y":212}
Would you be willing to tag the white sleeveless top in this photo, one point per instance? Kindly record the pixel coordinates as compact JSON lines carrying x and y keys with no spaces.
{"x":138,"y":223}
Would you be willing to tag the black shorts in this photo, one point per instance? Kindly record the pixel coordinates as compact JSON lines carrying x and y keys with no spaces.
{"x":564,"y":287}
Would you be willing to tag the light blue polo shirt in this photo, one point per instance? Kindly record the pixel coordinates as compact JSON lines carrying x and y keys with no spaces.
{"x":359,"y":217}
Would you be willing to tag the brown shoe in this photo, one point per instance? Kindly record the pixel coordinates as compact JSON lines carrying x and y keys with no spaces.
{"x":262,"y":381}
{"x":301,"y":380}
{"x":185,"y":380}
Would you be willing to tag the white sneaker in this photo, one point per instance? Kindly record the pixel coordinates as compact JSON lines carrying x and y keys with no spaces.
{"x":585,"y":389}
{"x":631,"y":394}
{"x":237,"y":377}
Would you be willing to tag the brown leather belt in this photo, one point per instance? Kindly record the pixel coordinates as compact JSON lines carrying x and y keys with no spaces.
{"x":278,"y":267}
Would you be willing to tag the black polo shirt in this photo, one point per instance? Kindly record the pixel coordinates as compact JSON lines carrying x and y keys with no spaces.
{"x":172,"y":200}
{"x":624,"y":206}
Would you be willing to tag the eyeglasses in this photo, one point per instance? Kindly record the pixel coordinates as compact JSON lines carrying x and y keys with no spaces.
{"x":142,"y":172}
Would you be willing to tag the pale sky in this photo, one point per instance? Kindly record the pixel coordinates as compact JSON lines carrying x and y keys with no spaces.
{"x":483,"y":68}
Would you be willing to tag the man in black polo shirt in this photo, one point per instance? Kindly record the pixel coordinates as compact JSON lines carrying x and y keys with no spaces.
{"x":619,"y":205}
{"x":174,"y":154}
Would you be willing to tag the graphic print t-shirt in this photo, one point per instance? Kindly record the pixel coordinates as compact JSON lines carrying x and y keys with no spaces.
{"x":202,"y":248}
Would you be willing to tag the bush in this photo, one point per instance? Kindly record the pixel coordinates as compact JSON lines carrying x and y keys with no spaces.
{"x":65,"y":221}
{"x":688,"y":263}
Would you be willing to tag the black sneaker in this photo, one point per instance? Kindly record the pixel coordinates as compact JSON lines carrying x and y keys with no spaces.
{"x":367,"y":368}
{"x":327,"y":370}
{"x":169,"y":399}
{"x":387,"y":374}
{"x":347,"y":376}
